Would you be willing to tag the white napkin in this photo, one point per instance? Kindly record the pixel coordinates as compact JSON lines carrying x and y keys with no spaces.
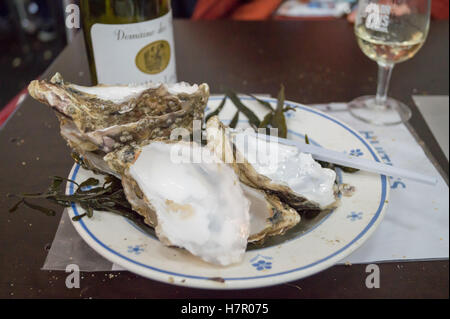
{"x":416,"y":224}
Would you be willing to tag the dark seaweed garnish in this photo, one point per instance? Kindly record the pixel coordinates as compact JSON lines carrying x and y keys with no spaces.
{"x":108,"y":197}
{"x":252,"y":118}
{"x":275,"y":118}
{"x":218,"y":110}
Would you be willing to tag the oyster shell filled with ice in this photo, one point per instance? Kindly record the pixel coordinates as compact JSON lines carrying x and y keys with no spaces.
{"x":100,"y":119}
{"x":195,"y":205}
{"x":270,"y":214}
{"x":294,"y":176}
{"x":289,"y":180}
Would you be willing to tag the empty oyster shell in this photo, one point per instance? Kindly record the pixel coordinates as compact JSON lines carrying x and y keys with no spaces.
{"x":97,"y":120}
{"x":310,"y":190}
{"x":197,"y":206}
{"x":268,"y":215}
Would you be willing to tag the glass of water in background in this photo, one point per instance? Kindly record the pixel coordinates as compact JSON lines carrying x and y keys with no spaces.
{"x":388,"y":32}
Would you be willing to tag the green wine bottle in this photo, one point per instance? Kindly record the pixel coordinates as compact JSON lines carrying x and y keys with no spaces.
{"x":129,"y":41}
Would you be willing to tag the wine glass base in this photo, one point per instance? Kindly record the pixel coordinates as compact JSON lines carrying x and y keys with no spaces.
{"x":366,"y":109}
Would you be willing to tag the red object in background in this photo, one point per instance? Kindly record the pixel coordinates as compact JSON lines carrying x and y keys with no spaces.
{"x":263,"y":9}
{"x":234,"y":9}
{"x":256,"y":10}
{"x":9,"y":109}
{"x":213,"y":9}
{"x":439,"y":9}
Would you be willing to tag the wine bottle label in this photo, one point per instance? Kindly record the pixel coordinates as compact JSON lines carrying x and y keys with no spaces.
{"x":135,"y":52}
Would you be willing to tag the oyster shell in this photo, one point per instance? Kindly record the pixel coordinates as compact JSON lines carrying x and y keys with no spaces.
{"x":308,"y":191}
{"x":97,"y":120}
{"x":197,"y":206}
{"x":270,"y":214}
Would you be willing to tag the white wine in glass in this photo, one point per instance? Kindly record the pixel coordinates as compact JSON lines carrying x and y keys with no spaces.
{"x":388,"y":32}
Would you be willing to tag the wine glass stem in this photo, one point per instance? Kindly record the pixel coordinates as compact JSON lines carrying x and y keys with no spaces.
{"x":384,"y":76}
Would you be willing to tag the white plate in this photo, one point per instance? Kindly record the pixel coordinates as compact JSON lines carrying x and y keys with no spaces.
{"x":310,"y":247}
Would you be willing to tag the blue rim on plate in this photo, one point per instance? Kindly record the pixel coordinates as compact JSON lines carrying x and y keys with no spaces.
{"x":346,"y":247}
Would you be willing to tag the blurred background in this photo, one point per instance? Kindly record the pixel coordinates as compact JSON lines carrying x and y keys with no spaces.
{"x":32,"y":32}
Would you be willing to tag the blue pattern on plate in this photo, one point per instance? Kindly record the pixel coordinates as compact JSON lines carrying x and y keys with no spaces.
{"x":289,"y":114}
{"x":261,"y":262}
{"x":137,"y":249}
{"x":354,"y":216}
{"x":356,"y":152}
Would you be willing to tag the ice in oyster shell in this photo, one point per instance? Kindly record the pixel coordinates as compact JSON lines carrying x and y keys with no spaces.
{"x":310,"y":190}
{"x":286,"y":165}
{"x":196,"y":206}
{"x":100,"y":119}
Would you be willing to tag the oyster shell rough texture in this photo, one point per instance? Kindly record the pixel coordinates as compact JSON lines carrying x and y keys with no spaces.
{"x":309,"y":190}
{"x":97,"y":120}
{"x":270,"y":214}
{"x":197,"y":206}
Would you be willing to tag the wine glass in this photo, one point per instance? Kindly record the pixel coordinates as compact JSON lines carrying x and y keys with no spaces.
{"x":389,"y":32}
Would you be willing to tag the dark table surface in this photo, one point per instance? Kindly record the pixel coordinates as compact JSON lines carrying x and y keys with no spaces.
{"x":317,"y":62}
